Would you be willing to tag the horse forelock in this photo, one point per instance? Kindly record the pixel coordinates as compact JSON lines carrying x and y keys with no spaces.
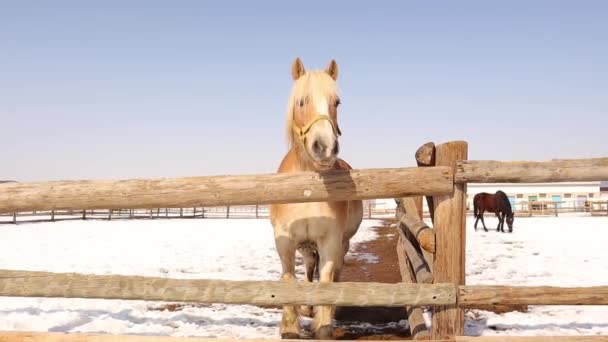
{"x":316,"y":85}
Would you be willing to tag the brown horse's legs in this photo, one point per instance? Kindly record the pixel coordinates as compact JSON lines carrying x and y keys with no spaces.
{"x":482,"y":221}
{"x":498,"y":216}
{"x":290,"y":323}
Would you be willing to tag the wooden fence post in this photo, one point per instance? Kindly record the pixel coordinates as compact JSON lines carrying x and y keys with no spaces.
{"x":53,"y":215}
{"x":228,"y":211}
{"x":110,"y":214}
{"x":425,"y":156}
{"x":369,"y":210}
{"x":84,"y":214}
{"x":450,"y":230}
{"x":14,"y":218}
{"x":151,"y":215}
{"x":257,"y":210}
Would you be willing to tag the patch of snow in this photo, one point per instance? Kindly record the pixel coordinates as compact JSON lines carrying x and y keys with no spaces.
{"x":566,"y":251}
{"x":227,"y":249}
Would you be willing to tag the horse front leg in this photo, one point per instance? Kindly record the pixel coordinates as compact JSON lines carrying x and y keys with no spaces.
{"x":330,"y":264}
{"x":290,"y":321}
{"x":483,"y":222}
{"x":499,"y":221}
{"x":502,"y":222}
{"x":311,"y":261}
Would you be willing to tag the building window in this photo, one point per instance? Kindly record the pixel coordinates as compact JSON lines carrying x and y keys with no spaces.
{"x":590,"y":195}
{"x":520,"y":196}
{"x":568,"y":195}
{"x":543,"y":195}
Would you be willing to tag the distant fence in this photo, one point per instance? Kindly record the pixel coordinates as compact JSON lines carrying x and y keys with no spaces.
{"x":370,"y":211}
{"x":224,"y":212}
{"x":441,"y":177}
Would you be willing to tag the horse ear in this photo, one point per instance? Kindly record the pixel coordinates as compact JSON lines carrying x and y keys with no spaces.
{"x":297,"y":69}
{"x":332,"y":69}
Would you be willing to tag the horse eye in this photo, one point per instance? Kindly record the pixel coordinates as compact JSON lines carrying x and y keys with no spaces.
{"x":301,"y":102}
{"x":337,"y":102}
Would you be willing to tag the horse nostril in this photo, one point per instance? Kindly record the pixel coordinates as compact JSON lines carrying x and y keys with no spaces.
{"x":336,"y":148}
{"x":316,"y":147}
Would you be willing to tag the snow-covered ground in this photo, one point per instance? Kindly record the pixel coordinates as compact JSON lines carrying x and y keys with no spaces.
{"x":569,"y":250}
{"x":173,"y":248}
{"x":564,"y":251}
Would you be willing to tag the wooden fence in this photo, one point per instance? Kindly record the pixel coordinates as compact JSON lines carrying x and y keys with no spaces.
{"x":432,"y":264}
{"x":223,"y":212}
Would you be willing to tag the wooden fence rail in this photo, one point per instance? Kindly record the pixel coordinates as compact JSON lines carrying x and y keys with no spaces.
{"x":574,"y":170}
{"x":70,"y":285}
{"x":17,"y":336}
{"x":226,"y":190}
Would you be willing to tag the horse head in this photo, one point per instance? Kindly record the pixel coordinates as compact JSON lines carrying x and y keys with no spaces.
{"x":510,"y":219}
{"x":312,"y":118}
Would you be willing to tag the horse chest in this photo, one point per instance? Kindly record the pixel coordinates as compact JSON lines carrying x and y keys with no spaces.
{"x":308,"y":222}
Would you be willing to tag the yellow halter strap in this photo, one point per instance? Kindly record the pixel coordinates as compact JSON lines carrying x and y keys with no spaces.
{"x":301,"y":131}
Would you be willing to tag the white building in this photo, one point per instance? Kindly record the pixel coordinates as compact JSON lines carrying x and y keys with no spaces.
{"x":570,"y":194}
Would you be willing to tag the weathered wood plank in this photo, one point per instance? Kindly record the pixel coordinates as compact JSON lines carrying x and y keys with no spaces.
{"x":572,"y":170}
{"x":425,"y":157}
{"x":19,"y":336}
{"x":418,"y":328}
{"x":226,"y":190}
{"x":421,"y":270}
{"x":420,"y":230}
{"x":449,"y":226}
{"x":67,"y":285}
{"x":469,"y":296}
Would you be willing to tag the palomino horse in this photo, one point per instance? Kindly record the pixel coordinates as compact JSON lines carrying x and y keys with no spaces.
{"x":319,"y":231}
{"x":498,"y":204}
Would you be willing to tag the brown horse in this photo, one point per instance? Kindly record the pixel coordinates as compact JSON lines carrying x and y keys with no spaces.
{"x":497,"y":203}
{"x":319,"y":231}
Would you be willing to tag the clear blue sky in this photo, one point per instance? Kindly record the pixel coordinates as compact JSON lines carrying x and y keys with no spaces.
{"x":125,"y":89}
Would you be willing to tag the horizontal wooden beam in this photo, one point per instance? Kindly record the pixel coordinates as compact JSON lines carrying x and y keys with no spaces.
{"x":572,"y":170}
{"x":19,"y":336}
{"x":408,"y":216}
{"x":226,"y":190}
{"x":68,"y":285}
{"x":420,"y":267}
{"x":470,"y":296}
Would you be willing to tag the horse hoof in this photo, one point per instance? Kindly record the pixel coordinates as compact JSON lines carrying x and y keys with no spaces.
{"x":290,"y":336}
{"x":325,"y":332}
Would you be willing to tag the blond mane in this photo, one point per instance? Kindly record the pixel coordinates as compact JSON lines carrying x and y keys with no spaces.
{"x":315,"y":83}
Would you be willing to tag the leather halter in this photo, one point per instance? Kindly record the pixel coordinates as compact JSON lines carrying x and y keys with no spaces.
{"x":301,"y":131}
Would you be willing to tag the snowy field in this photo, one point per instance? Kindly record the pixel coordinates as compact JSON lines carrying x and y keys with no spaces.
{"x":569,"y":250}
{"x":175,"y":248}
{"x":563,"y":251}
